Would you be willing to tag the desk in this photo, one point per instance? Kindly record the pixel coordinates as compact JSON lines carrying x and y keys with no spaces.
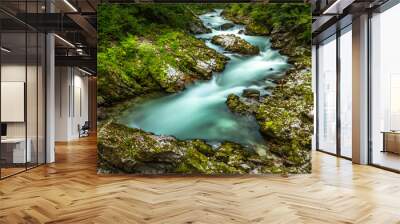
{"x":15,"y":148}
{"x":391,"y":141}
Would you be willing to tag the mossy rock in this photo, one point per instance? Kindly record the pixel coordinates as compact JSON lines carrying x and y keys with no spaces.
{"x":235,"y":105}
{"x":130,"y":150}
{"x":226,"y":26}
{"x":141,"y":65}
{"x":233,"y":43}
{"x":197,"y":27}
{"x":256,"y":29}
{"x":251,"y":93}
{"x":242,"y":105}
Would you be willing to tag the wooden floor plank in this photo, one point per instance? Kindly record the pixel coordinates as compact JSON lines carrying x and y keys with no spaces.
{"x":70,"y":191}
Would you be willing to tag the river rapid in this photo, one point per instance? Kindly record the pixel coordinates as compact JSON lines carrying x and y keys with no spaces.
{"x":200,"y":111}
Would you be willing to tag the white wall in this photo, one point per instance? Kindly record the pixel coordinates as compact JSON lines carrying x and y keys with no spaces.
{"x":62,"y":82}
{"x":71,"y":102}
{"x":10,"y":73}
{"x":16,"y":73}
{"x":360,"y":90}
{"x":33,"y":127}
{"x":80,"y":105}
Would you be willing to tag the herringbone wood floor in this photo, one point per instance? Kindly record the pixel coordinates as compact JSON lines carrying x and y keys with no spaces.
{"x":70,"y":191}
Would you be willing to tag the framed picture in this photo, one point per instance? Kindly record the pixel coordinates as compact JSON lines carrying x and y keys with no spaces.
{"x":204,"y":88}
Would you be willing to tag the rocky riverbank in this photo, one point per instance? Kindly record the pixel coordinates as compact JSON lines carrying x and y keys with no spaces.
{"x":285,"y":119}
{"x":129,"y":150}
{"x":285,"y":116}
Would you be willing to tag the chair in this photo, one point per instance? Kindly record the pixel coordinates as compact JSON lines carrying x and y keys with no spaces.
{"x":84,"y":130}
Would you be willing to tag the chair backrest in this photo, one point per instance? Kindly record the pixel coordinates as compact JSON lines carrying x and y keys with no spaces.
{"x":86,"y":125}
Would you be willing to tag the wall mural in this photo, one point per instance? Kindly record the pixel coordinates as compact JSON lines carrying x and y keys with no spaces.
{"x":204,"y":88}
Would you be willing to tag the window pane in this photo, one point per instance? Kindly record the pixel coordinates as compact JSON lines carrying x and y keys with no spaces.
{"x":327,"y":96}
{"x":385,"y":114}
{"x":346,"y":92}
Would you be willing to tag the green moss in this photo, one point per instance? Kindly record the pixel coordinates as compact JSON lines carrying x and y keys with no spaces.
{"x":235,"y":105}
{"x":254,"y":28}
{"x":203,"y":147}
{"x":123,"y":149}
{"x":196,"y":161}
{"x":284,"y":120}
{"x":147,"y":48}
{"x":235,"y":156}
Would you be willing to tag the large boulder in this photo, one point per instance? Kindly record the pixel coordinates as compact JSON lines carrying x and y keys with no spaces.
{"x":240,"y":105}
{"x":130,"y":150}
{"x":256,"y":29}
{"x":123,"y":149}
{"x":175,"y":80}
{"x":206,"y":67}
{"x":226,"y":26}
{"x":197,"y":27}
{"x":236,"y":105}
{"x":233,"y":43}
{"x":201,"y":60}
{"x":251,"y":93}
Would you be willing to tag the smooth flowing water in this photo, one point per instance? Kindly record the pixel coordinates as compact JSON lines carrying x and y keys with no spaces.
{"x":200,"y":112}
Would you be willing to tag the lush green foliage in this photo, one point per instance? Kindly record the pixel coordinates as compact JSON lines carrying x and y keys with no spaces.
{"x":295,"y":18}
{"x":126,"y":77}
{"x":140,"y":44}
{"x":147,"y":20}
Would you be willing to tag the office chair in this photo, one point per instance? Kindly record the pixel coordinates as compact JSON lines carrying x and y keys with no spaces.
{"x":84,"y":130}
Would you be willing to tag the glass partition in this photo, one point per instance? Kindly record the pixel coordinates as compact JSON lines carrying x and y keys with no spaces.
{"x":22,"y":77}
{"x":14,"y":153}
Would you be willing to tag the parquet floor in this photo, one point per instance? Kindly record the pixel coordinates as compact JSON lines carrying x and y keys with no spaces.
{"x":70,"y":191}
{"x":11,"y":170}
